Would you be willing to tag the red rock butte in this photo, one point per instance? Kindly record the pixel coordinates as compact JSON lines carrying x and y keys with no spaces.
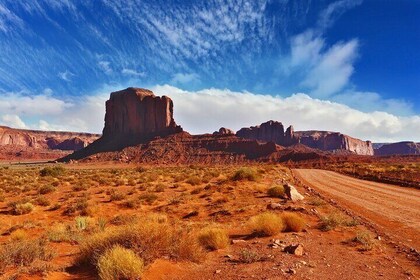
{"x":136,"y":113}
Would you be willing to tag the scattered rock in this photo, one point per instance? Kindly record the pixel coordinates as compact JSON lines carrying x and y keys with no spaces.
{"x":296,"y":209}
{"x":291,"y":271}
{"x":238,"y":241}
{"x":191,"y":214}
{"x":294,"y":249}
{"x":218,"y":271}
{"x":292,"y":193}
{"x":274,"y":206}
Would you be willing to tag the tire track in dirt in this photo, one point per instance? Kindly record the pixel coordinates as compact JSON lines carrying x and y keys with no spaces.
{"x":395,"y":209}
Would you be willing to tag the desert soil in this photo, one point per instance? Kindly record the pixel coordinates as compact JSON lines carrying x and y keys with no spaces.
{"x":393,"y":210}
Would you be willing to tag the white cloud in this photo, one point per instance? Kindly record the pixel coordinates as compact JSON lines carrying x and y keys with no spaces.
{"x":333,"y":70}
{"x":207,"y":110}
{"x":12,"y":121}
{"x":105,"y":66}
{"x":372,"y":101}
{"x":335,"y":10}
{"x":185,"y":78}
{"x":132,"y":72}
{"x":24,"y":105}
{"x":66,"y":75}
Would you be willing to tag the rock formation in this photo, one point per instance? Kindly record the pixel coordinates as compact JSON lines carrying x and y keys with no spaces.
{"x":271,"y":131}
{"x":36,"y":139}
{"x":137,"y":114}
{"x":400,"y":148}
{"x":334,"y":141}
{"x":224,"y":131}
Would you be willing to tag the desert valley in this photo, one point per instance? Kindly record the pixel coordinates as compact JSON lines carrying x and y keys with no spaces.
{"x":209,"y":139}
{"x":148,"y":199}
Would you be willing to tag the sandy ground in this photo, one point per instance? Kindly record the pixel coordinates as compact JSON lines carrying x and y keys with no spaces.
{"x":394,"y":210}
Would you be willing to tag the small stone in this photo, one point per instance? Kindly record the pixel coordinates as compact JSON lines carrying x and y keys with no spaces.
{"x":229,"y":256}
{"x":218,"y":271}
{"x":294,"y":249}
{"x":237,"y":241}
{"x":274,"y":206}
{"x":291,"y":271}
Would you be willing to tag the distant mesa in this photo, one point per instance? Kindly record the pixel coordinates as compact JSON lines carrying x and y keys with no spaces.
{"x":271,"y":131}
{"x":400,"y":148}
{"x":323,"y":140}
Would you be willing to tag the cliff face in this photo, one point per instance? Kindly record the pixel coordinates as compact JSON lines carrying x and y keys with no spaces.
{"x":33,"y":139}
{"x":271,"y":131}
{"x":334,"y":141}
{"x":400,"y":148}
{"x":136,"y":113}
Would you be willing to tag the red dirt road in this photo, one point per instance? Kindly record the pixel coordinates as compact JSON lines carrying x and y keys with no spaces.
{"x":394,"y":210}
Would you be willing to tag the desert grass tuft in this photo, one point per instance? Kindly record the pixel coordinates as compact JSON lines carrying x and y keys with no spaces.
{"x":293,"y":222}
{"x":213,"y":238}
{"x":276,"y":191}
{"x":266,"y":224}
{"x":246,"y":173}
{"x":119,"y":263}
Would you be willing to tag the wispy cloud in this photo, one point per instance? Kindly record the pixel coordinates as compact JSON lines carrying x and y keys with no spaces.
{"x":132,"y":72}
{"x":66,"y":75}
{"x":185,"y":78}
{"x":105,"y":66}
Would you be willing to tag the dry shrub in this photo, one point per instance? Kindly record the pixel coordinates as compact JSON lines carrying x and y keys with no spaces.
{"x":249,"y":256}
{"x":23,"y":253}
{"x":18,"y":235}
{"x":266,"y":224}
{"x":119,"y":263}
{"x":213,"y":238}
{"x":22,"y":208}
{"x":293,"y":222}
{"x":46,"y":189}
{"x":193,"y":180}
{"x":188,"y":248}
{"x":276,"y":191}
{"x":245,"y":173}
{"x":365,"y":239}
{"x":149,"y":238}
{"x":334,"y":220}
{"x":62,"y":233}
{"x":116,"y":196}
{"x":52,"y":171}
{"x":42,"y":201}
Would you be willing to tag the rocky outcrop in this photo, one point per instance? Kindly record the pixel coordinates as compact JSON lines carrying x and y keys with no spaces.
{"x":137,"y":114}
{"x":271,"y":131}
{"x":224,"y":131}
{"x":400,"y":148}
{"x":34,"y":139}
{"x":334,"y":141}
{"x":133,"y":116}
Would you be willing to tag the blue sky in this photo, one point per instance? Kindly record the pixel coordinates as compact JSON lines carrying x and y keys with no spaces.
{"x":60,"y":59}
